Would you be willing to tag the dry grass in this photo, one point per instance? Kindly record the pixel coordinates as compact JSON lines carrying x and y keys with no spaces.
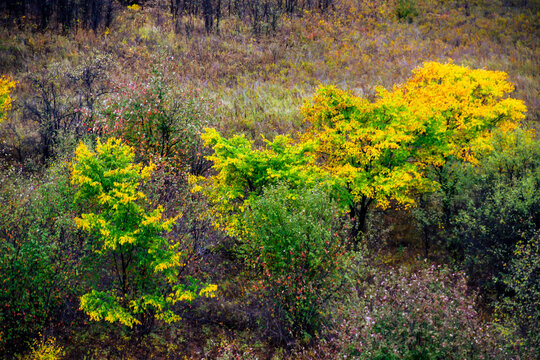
{"x":261,"y":81}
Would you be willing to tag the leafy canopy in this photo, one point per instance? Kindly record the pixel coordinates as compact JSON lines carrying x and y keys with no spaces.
{"x":243,"y":172}
{"x":376,"y":152}
{"x":459,"y":109}
{"x":367,"y":147}
{"x":379,"y":151}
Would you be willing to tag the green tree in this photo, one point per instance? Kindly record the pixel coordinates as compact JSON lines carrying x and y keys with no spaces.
{"x":242,"y":172}
{"x":143,"y":265}
{"x":369,"y":150}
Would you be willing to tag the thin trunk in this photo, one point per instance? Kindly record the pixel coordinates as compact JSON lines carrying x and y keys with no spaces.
{"x":358,"y":213}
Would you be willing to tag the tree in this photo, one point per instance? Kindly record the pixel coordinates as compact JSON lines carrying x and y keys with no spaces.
{"x":61,"y":14}
{"x":62,"y":100}
{"x":459,"y":108}
{"x":242,"y":172}
{"x":368,"y":148}
{"x":260,"y":14}
{"x":381,"y":151}
{"x":142,"y":265}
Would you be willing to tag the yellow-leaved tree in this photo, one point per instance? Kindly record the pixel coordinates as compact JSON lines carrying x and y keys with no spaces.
{"x":379,"y":152}
{"x":140,"y":266}
{"x":459,"y":108}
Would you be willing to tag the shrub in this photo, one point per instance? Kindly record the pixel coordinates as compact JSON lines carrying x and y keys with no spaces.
{"x":40,"y":256}
{"x":6,"y":86}
{"x":295,"y":244}
{"x":426,"y":314}
{"x":502,"y":208}
{"x":162,"y":125}
{"x":44,"y":350}
{"x":519,"y":311}
{"x":406,"y":10}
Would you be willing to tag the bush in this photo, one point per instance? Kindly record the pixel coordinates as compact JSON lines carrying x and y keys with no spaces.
{"x":141,"y":266}
{"x":62,"y":98}
{"x":44,"y":350}
{"x":40,"y":256}
{"x":520,"y":311}
{"x":502,"y":208}
{"x":6,"y":86}
{"x":406,"y":10}
{"x":482,"y":210}
{"x":427,"y":314}
{"x":295,"y":244}
{"x":162,"y":124}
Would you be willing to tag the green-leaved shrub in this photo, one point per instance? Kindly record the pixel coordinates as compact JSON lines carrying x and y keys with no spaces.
{"x":140,"y":280}
{"x":295,"y":243}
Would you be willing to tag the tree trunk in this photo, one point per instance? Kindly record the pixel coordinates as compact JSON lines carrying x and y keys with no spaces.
{"x":358,"y":213}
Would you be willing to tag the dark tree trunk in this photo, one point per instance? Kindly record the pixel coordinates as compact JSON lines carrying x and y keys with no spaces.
{"x":358,"y":213}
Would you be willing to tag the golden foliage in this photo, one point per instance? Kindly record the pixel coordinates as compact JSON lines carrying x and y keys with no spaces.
{"x":379,"y":151}
{"x":6,"y":86}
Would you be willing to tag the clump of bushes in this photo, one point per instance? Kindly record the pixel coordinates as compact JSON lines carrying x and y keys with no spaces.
{"x":162,"y":124}
{"x":295,"y":244}
{"x":41,"y":256}
{"x":425,"y":314}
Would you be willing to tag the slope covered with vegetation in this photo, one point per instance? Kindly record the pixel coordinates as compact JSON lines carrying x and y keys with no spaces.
{"x":311,"y":179}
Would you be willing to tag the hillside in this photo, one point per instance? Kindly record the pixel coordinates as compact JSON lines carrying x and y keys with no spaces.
{"x":310,"y":179}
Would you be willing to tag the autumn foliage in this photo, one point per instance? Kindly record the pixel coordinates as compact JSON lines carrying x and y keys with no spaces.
{"x":379,"y":151}
{"x":355,"y":179}
{"x":6,"y":86}
{"x":131,"y":237}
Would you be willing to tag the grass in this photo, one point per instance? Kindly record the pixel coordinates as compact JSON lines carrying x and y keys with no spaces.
{"x":263,"y":79}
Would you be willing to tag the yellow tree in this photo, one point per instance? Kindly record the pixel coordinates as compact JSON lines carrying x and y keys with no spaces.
{"x":461,"y":109}
{"x":378,"y":152}
{"x":458,"y":107}
{"x":367,"y":147}
{"x":142,"y":266}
